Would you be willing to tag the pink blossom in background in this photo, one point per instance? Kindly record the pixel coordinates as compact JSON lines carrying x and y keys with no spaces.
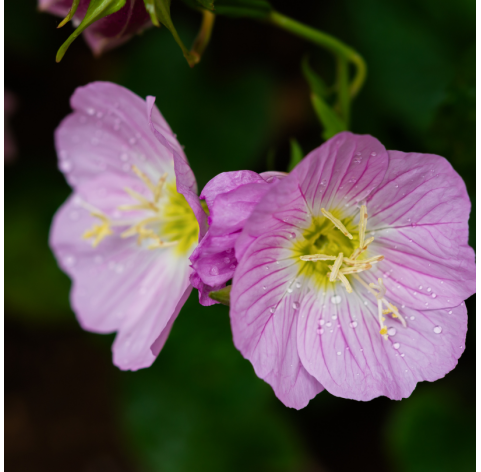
{"x":352,"y":274}
{"x":108,"y":32}
{"x":9,"y":107}
{"x":230,"y":198}
{"x":126,"y":233}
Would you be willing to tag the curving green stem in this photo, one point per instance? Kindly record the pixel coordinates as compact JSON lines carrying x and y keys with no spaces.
{"x":326,"y":41}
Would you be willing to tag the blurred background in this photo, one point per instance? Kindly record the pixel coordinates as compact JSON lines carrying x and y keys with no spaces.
{"x":200,"y":407}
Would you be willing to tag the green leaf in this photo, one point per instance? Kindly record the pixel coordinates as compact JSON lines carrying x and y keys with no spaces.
{"x":162,"y":13}
{"x":296,"y":154}
{"x":318,"y":86}
{"x":243,"y":8}
{"x":70,"y":14}
{"x":150,"y":7}
{"x":97,"y":9}
{"x":331,"y":122}
{"x":222,"y":295}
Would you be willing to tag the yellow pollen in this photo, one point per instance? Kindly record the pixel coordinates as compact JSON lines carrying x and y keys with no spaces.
{"x":362,"y":225}
{"x":383,"y":330}
{"x":98,"y":232}
{"x":318,"y":257}
{"x":337,"y":223}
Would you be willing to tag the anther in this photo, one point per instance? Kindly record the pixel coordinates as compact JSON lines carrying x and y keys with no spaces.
{"x":337,"y":223}
{"x":336,"y":266}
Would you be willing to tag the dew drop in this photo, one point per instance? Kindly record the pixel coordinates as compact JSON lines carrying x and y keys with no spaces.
{"x":264,"y":287}
{"x":267,"y":267}
{"x":321,"y":322}
{"x":69,"y":261}
{"x":412,"y":318}
{"x":391,"y":331}
{"x":295,"y":305}
{"x":328,"y":324}
{"x":298,"y":284}
{"x":272,"y":309}
{"x":336,"y":299}
{"x":232,"y":266}
{"x":433,"y":295}
{"x":428,"y":289}
{"x":339,"y":353}
{"x":320,"y":331}
{"x":65,"y":166}
{"x":438,"y":330}
{"x":357,"y":160}
{"x":397,"y":186}
{"x":396,"y":346}
{"x":214,"y":270}
{"x":373,"y":154}
{"x":292,"y":235}
{"x":226,"y":260}
{"x":365,"y":302}
{"x":403,"y":306}
{"x":323,"y":182}
{"x":334,"y":317}
{"x":450,"y":312}
{"x":420,"y":287}
{"x":402,"y":355}
{"x":289,"y":289}
{"x":353,"y":324}
{"x":90,"y":111}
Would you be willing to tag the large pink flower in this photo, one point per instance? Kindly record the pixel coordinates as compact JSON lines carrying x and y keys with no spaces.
{"x":353,"y":272}
{"x":108,"y":32}
{"x":126,"y":233}
{"x":230,"y":198}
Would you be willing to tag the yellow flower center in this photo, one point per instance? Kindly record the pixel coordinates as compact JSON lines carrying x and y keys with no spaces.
{"x":329,"y":252}
{"x":168,"y":220}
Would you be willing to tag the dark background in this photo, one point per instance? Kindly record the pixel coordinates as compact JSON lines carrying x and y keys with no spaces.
{"x":200,"y":407}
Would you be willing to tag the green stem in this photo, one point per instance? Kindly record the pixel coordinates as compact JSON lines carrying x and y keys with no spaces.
{"x":326,"y":41}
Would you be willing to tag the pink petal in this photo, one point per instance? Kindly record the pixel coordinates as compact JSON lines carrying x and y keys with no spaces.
{"x":109,"y":132}
{"x":116,"y":286}
{"x":419,"y":217}
{"x":342,"y":172}
{"x":185,"y":179}
{"x":340,"y":345}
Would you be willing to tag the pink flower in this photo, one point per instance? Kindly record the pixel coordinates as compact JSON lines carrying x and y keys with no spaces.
{"x":108,"y":32}
{"x":352,"y":274}
{"x":126,"y":233}
{"x":230,"y":198}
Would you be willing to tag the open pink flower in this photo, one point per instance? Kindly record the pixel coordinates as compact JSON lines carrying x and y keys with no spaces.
{"x":230,"y":198}
{"x":126,"y":233}
{"x":353,"y":272}
{"x":108,"y":32}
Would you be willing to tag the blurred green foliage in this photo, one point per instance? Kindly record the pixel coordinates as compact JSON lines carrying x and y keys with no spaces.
{"x":201,"y":407}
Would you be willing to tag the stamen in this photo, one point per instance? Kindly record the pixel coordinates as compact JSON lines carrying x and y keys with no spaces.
{"x":145,"y":204}
{"x":356,"y":269}
{"x":345,"y":282}
{"x":383,"y":330}
{"x":337,"y":223}
{"x":336,"y":266}
{"x":318,"y":257}
{"x":98,"y":232}
{"x":362,"y":225}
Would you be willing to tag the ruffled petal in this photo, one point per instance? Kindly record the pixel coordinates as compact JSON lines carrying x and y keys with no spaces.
{"x":339,"y":344}
{"x":109,"y":132}
{"x":342,"y":172}
{"x":264,"y":296}
{"x":116,"y":286}
{"x":185,"y":179}
{"x":419,"y":218}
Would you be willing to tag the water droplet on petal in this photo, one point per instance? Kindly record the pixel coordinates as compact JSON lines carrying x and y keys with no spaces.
{"x":336,"y":299}
{"x":323,"y":182}
{"x":450,"y":312}
{"x":334,"y":317}
{"x":69,"y":261}
{"x":353,"y":324}
{"x":264,"y":287}
{"x":396,"y":346}
{"x":339,"y":353}
{"x":373,"y":154}
{"x":320,"y":331}
{"x":226,"y":260}
{"x":272,"y":309}
{"x":412,"y":318}
{"x":328,"y":324}
{"x":289,"y":289}
{"x":428,"y":289}
{"x":391,"y":331}
{"x":267,"y":267}
{"x":321,"y":322}
{"x":298,"y":284}
{"x":420,"y":287}
{"x":295,"y":305}
{"x":292,"y":235}
{"x":438,"y":330}
{"x":65,"y":166}
{"x":90,"y":111}
{"x":214,"y":270}
{"x":433,"y":295}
